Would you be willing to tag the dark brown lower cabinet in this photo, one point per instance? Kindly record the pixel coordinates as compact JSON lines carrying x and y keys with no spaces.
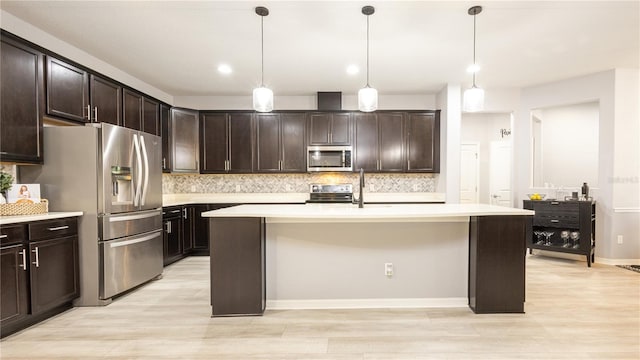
{"x":40,"y":272}
{"x":54,"y":273}
{"x":14,"y":302}
{"x":172,"y":238}
{"x":237,"y":266}
{"x":497,"y":246}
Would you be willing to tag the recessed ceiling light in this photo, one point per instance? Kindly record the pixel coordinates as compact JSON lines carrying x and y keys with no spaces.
{"x":473,"y":68}
{"x":225,"y":69}
{"x":353,"y":69}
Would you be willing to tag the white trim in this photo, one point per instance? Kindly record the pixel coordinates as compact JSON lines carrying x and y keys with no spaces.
{"x":617,"y":261}
{"x":583,"y":258}
{"x":366,"y":303}
{"x":626,"y":210}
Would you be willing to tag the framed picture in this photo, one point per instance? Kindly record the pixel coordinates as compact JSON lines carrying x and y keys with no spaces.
{"x":24,"y":193}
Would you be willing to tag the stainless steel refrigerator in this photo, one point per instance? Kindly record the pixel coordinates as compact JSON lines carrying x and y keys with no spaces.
{"x":114,"y":175}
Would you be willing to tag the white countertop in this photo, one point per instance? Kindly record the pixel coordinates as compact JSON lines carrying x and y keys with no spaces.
{"x":283,"y":198}
{"x":346,"y":212}
{"x":13,"y":219}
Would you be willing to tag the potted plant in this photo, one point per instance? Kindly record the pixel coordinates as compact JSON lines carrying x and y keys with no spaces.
{"x":6,"y":182}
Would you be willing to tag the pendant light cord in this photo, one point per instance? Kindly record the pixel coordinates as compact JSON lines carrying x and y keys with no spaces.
{"x":262,"y":50}
{"x":367,"y":50}
{"x":474,"y":49}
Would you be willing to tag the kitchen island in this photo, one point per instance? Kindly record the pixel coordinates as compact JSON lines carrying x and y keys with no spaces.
{"x":384,"y":255}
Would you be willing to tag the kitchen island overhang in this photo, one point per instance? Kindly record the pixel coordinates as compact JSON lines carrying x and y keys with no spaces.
{"x":332,"y":255}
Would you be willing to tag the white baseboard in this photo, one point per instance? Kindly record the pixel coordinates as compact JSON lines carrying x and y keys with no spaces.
{"x":606,"y":261}
{"x":366,"y":303}
{"x":598,"y":260}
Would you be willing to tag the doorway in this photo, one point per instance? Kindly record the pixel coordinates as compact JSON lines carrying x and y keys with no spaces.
{"x":500,"y":173}
{"x":469,"y":173}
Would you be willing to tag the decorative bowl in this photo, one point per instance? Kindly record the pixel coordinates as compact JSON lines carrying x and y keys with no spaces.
{"x":537,"y":196}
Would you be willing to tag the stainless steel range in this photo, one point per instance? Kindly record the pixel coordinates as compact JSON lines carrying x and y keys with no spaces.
{"x":331,"y":193}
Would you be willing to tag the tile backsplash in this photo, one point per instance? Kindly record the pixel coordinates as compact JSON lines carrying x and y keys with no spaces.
{"x":293,"y":183}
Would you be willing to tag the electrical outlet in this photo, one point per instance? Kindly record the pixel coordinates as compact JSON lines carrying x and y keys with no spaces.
{"x":619,"y":239}
{"x":415,"y":187}
{"x":237,"y":188}
{"x":288,"y":187}
{"x":193,"y":188}
{"x":372,"y":188}
{"x":388,"y":269}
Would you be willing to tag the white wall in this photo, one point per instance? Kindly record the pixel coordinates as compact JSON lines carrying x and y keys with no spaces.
{"x":31,"y":33}
{"x":482,"y":129}
{"x":617,"y":92}
{"x":288,"y":102}
{"x":569,"y":145}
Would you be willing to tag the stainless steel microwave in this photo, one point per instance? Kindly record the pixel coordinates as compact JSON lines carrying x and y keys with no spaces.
{"x":329,"y":158}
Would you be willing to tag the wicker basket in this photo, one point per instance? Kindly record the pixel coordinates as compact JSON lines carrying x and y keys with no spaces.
{"x":24,"y":209}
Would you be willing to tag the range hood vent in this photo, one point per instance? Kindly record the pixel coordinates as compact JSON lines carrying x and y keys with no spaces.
{"x":329,"y":100}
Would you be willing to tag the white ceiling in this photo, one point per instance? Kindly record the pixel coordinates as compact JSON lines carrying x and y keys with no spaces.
{"x":416,"y":46}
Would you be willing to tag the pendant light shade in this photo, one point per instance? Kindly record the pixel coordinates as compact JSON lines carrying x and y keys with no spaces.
{"x":262,"y":96}
{"x":262,"y":99}
{"x":368,"y":96}
{"x":367,"y":99}
{"x":473,"y":98}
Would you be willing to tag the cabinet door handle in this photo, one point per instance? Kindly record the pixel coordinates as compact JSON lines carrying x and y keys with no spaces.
{"x":58,"y":228}
{"x":4,"y":236}
{"x":168,"y":227}
{"x":24,"y":260}
{"x":175,"y":211}
{"x":555,"y":203}
{"x":37,"y":262}
{"x":164,"y":163}
{"x":95,"y":113}
{"x":184,"y":213}
{"x":555,"y":221}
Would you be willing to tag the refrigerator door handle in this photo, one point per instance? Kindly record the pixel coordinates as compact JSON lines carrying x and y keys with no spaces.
{"x":138,"y":188}
{"x":115,"y":244}
{"x":145,"y":157}
{"x":133,"y":216}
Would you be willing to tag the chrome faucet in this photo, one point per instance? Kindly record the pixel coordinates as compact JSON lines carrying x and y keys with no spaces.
{"x":361,"y":196}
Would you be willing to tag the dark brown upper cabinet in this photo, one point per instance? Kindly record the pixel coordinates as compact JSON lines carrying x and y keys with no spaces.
{"x":132,"y":109}
{"x":67,"y":91}
{"x":165,"y":115}
{"x":379,"y":141}
{"x":106,"y":100}
{"x":329,"y":129}
{"x":21,"y":102}
{"x":150,"y":116}
{"x":280,"y":142}
{"x":184,"y":141}
{"x":391,"y":141}
{"x":423,"y":142}
{"x":227,"y":142}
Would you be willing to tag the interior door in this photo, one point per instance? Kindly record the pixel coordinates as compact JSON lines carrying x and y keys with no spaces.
{"x":469,"y":174}
{"x":500,"y":173}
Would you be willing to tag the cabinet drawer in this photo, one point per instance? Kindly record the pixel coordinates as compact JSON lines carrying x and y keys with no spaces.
{"x":10,"y":234}
{"x":553,"y":206}
{"x":557,"y":220}
{"x":49,"y":229}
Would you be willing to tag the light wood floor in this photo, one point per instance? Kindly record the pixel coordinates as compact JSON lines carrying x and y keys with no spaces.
{"x":572,"y":312}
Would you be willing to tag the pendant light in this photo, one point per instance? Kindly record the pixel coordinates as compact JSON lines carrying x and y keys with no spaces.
{"x":262,"y":96}
{"x":368,"y":96}
{"x":473,"y":99}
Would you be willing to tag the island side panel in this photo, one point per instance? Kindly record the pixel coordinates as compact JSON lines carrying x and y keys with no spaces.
{"x":237,"y":249}
{"x":342,"y":264}
{"x":497,"y":246}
